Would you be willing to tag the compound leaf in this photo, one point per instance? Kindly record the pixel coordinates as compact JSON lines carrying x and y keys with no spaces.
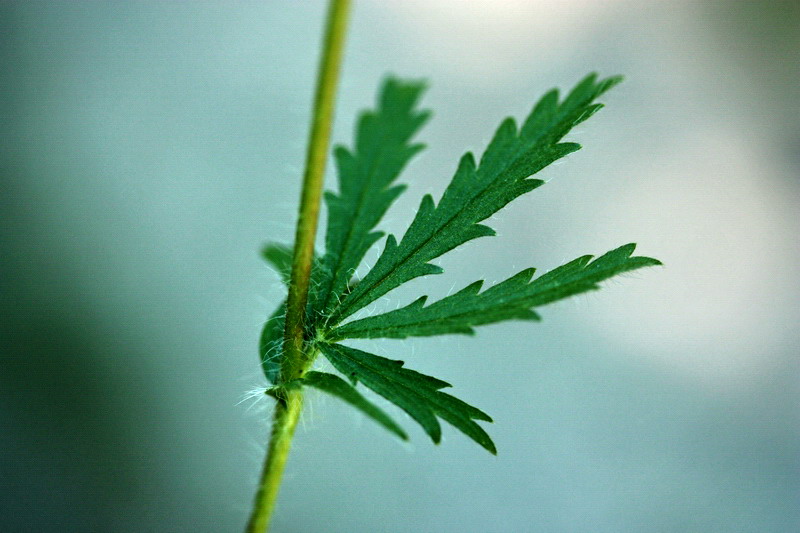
{"x":367,"y":174}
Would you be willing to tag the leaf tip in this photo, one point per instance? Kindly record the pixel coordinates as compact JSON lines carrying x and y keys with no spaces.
{"x":610,"y":82}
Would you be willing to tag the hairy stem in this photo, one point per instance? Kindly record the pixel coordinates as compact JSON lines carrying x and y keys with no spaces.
{"x":296,"y":358}
{"x":285,"y":420}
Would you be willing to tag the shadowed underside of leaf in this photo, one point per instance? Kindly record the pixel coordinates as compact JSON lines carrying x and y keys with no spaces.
{"x":382,"y":149}
{"x":270,"y":344}
{"x":336,"y":386}
{"x":417,"y":394}
{"x":280,"y":257}
{"x":477,"y":191}
{"x":271,"y":341}
{"x":511,"y":299}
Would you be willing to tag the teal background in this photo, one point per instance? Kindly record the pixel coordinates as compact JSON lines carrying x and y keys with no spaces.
{"x":149,"y":149}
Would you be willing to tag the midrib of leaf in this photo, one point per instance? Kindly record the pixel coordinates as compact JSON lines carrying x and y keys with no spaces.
{"x":390,"y":376}
{"x":336,"y":336}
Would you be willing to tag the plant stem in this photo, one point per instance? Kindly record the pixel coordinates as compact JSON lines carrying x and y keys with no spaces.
{"x":296,"y":359}
{"x":285,"y":420}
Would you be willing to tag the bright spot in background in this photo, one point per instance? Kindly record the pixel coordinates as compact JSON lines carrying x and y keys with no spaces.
{"x":482,"y":39}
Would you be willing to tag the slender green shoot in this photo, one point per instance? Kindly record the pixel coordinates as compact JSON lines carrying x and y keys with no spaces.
{"x":297,"y":356}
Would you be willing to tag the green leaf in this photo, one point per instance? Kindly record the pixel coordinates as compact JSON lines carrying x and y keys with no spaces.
{"x":382,"y":149}
{"x":476,"y":192}
{"x":270,"y":345}
{"x":280,"y":257}
{"x":336,"y":386}
{"x":417,"y":394}
{"x":511,"y":299}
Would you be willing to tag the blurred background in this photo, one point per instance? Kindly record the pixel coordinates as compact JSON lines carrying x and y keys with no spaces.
{"x":149,"y":149}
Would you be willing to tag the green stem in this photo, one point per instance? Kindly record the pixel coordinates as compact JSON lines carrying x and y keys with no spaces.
{"x":296,"y":359}
{"x":285,"y":421}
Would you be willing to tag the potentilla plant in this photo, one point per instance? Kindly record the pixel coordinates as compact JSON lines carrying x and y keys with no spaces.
{"x":317,"y":317}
